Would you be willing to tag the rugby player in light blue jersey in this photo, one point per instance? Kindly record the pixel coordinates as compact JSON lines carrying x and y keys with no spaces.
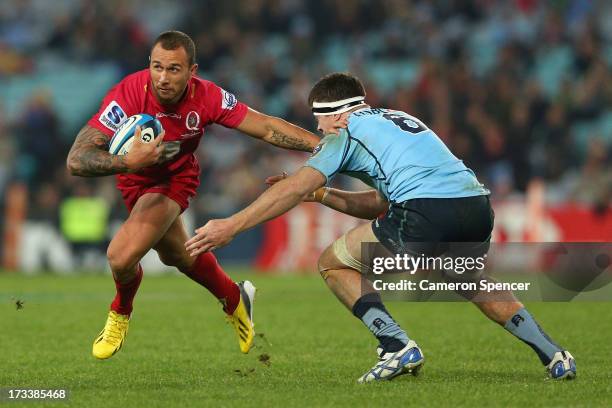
{"x":427,"y":195}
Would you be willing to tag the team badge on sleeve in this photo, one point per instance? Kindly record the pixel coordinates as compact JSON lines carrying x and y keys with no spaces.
{"x":228,"y":100}
{"x":317,"y":149}
{"x":113,"y":116}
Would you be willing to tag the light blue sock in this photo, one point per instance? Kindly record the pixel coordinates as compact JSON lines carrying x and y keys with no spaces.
{"x":523,"y":326}
{"x":381,"y":324}
{"x":370,"y":310}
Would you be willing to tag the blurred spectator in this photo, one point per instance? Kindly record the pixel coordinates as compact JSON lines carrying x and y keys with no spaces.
{"x":41,"y":146}
{"x":41,"y":240}
{"x":11,"y":62}
{"x":84,"y":220}
{"x":7,"y":154}
{"x":593,"y":184}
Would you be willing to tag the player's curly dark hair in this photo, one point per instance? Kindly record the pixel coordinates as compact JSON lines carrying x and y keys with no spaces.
{"x":335,"y":87}
{"x":172,"y":40}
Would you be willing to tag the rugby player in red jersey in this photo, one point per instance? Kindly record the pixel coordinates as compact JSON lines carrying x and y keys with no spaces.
{"x":157,"y":179}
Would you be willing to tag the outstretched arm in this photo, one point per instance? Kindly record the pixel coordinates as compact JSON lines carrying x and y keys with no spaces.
{"x":361,"y":204}
{"x":277,"y":131}
{"x":276,"y":200}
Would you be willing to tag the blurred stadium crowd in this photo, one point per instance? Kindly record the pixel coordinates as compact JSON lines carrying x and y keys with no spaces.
{"x":520,"y":90}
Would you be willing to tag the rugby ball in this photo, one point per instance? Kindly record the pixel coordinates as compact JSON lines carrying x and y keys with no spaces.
{"x":123,"y":138}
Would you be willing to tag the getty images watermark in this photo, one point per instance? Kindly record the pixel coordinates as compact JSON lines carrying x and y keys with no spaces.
{"x":485,"y":272}
{"x":459,"y":265}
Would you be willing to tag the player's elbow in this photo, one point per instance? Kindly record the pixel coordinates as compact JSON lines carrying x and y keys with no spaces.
{"x":381,"y":205}
{"x":73,"y":164}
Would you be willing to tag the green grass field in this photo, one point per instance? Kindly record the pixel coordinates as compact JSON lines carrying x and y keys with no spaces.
{"x":180,"y":351}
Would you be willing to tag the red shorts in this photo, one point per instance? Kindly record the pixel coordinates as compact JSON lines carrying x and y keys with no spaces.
{"x":179,"y":189}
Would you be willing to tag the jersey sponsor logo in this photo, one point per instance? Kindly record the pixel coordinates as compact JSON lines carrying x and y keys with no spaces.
{"x":168,"y":115}
{"x":191,"y":134}
{"x":192,"y":120}
{"x":228,"y":100}
{"x":113,"y":116}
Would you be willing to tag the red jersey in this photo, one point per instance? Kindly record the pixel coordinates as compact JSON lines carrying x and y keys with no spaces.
{"x":202,"y":104}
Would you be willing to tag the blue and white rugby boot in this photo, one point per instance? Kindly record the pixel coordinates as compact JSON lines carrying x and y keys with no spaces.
{"x":562,"y":366}
{"x":390,"y":365}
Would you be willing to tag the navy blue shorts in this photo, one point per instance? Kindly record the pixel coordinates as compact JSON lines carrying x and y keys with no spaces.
{"x":427,"y":226}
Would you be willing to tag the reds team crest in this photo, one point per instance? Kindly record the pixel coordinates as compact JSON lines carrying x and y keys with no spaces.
{"x":192,"y":120}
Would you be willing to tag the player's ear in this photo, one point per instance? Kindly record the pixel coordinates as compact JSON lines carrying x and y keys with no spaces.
{"x":194,"y":69}
{"x":341,"y":120}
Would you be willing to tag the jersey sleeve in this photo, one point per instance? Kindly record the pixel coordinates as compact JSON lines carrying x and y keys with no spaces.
{"x":330,"y":156}
{"x":223,"y":107}
{"x":118,"y":105}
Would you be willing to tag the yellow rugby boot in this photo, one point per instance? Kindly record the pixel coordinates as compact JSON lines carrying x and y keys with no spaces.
{"x":111,"y":338}
{"x":242,"y":318}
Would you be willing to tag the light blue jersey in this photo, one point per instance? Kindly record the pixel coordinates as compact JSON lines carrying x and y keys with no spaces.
{"x":396,"y":154}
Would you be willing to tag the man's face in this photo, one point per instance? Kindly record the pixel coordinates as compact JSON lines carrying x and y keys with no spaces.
{"x":170,"y":72}
{"x":327,"y":124}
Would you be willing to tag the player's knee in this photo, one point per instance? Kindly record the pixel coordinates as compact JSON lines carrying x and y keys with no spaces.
{"x":337,"y":256}
{"x":327,"y":262}
{"x":324,"y":260}
{"x":122,"y":262}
